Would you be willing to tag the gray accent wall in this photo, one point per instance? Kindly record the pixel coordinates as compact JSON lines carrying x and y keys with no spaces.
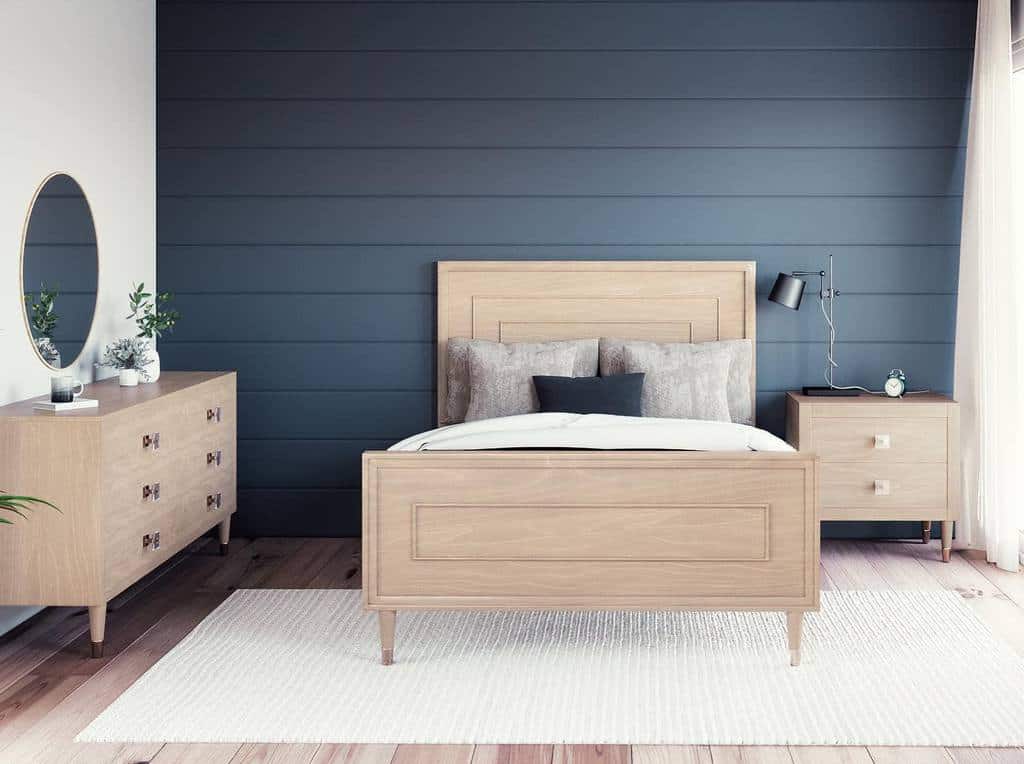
{"x":316,"y":158}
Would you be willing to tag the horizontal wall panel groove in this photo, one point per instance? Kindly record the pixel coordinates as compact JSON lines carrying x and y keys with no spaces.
{"x":528,"y":75}
{"x":512,"y":99}
{"x":560,"y":196}
{"x":432,"y":26}
{"x":410,"y":269}
{"x":846,"y":220}
{"x":562,"y":172}
{"x":411,"y":317}
{"x":320,"y":415}
{"x":303,"y":464}
{"x":288,"y":365}
{"x":297,"y":512}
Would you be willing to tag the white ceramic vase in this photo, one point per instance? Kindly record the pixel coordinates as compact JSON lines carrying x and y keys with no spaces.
{"x":48,"y":351}
{"x":128,"y":377}
{"x":153,"y":367}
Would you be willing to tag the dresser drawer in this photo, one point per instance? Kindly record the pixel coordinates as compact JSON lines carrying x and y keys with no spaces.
{"x":854,"y":484}
{"x":877,"y":439}
{"x":131,"y":545}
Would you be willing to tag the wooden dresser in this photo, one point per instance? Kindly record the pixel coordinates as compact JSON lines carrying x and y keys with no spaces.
{"x":883,"y":458}
{"x":137,"y":479}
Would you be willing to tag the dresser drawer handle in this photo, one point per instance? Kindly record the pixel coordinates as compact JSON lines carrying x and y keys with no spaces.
{"x":151,"y":492}
{"x":151,"y":440}
{"x":212,"y":501}
{"x":883,"y":441}
{"x":213,"y":415}
{"x":213,"y":457}
{"x":882,"y":488}
{"x":151,"y":541}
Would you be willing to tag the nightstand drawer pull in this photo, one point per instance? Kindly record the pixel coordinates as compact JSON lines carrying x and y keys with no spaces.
{"x":151,"y":541}
{"x":213,"y":501}
{"x":213,"y":457}
{"x":882,"y":488}
{"x":213,"y":415}
{"x":151,"y":492}
{"x":883,"y":440}
{"x":151,"y":440}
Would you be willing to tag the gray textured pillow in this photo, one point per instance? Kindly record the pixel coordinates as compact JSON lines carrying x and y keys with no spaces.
{"x":738,"y":392}
{"x":501,"y":376}
{"x":457,"y":402}
{"x":683,"y":381}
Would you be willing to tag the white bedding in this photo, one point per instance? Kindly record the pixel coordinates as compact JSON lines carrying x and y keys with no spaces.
{"x":593,"y":431}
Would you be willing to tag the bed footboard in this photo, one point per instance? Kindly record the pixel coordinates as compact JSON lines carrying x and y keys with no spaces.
{"x":622,"y":530}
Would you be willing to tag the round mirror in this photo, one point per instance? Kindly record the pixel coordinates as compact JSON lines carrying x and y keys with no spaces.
{"x":59,"y":271}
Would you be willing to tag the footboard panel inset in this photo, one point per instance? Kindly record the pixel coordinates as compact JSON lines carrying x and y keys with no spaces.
{"x":665,"y":532}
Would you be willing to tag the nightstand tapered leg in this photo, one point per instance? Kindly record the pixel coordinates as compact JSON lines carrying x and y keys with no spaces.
{"x":794,"y":631}
{"x":947,"y":539}
{"x":97,"y":625}
{"x":387,"y":636}
{"x":926,"y":531}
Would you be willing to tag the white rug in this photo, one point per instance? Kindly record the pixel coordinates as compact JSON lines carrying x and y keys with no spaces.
{"x":880,"y":668}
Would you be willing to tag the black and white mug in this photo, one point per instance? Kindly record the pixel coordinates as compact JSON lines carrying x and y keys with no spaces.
{"x":62,"y":389}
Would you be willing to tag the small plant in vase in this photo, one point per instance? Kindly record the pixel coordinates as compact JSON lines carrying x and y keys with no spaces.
{"x":19,"y":505}
{"x":130,"y":356}
{"x":153,"y":320}
{"x":43,"y":319}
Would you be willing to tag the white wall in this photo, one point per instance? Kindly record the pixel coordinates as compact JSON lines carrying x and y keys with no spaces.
{"x":77,"y":94}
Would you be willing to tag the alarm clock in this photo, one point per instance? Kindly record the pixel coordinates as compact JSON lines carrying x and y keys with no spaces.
{"x":896,"y":383}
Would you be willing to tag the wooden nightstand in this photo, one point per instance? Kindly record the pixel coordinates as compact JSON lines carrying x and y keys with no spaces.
{"x":883,"y":458}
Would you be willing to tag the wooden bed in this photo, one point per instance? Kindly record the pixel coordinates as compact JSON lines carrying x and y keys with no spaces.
{"x":615,"y":530}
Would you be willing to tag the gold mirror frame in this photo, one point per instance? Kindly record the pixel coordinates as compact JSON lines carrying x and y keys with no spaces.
{"x":21,"y":272}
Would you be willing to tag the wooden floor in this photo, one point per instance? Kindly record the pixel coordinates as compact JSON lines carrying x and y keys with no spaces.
{"x":50,"y":689}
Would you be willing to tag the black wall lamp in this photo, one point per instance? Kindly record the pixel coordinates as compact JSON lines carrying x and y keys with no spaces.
{"x":788,"y":291}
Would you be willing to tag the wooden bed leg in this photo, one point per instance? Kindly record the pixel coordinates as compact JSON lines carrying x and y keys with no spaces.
{"x":947,"y":539}
{"x":97,"y":625}
{"x":926,"y":531}
{"x":387,"y":636}
{"x":794,"y":629}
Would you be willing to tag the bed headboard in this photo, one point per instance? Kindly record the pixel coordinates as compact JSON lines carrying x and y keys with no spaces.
{"x":536,"y":301}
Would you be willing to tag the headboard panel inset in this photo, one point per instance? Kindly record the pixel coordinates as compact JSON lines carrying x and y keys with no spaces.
{"x":537,"y":301}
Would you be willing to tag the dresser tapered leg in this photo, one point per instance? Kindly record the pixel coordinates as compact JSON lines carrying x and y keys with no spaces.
{"x":387,"y":636}
{"x":947,"y":540}
{"x":224,"y":532}
{"x":97,"y":626}
{"x":926,"y":531}
{"x":794,"y":631}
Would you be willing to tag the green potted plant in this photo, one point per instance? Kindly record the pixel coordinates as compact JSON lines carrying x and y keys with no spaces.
{"x":153,"y":319}
{"x":130,"y":356}
{"x":19,"y":505}
{"x":43,"y":319}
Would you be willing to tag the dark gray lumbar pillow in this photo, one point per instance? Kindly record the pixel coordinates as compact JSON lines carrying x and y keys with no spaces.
{"x":621,"y":394}
{"x":457,"y":403}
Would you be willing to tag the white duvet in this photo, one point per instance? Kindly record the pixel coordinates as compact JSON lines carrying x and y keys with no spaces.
{"x":594,"y":431}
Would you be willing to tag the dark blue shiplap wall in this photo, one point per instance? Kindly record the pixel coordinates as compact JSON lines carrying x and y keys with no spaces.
{"x":316,"y":158}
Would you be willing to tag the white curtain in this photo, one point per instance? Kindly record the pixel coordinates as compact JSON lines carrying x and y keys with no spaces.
{"x":990,"y":310}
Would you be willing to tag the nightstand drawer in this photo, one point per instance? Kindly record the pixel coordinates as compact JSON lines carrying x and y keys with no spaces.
{"x":883,"y":485}
{"x":876,"y":439}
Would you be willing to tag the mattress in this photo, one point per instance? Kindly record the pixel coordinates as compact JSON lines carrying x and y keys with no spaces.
{"x":594,"y":431}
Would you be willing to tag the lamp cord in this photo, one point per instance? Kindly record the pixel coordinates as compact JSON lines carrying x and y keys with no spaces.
{"x":833,"y":365}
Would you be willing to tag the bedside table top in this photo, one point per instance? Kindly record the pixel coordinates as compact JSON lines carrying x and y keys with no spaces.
{"x":809,"y":400}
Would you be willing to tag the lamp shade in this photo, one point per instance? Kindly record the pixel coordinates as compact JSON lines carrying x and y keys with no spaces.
{"x":788,"y":291}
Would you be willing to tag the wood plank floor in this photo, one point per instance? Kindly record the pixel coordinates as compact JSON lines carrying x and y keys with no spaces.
{"x":50,"y":689}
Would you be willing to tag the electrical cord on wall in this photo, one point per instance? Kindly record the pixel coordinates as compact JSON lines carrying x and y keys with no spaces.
{"x":833,"y":365}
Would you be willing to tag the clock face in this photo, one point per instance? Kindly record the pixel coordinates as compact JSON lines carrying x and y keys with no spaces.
{"x":893,"y":387}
